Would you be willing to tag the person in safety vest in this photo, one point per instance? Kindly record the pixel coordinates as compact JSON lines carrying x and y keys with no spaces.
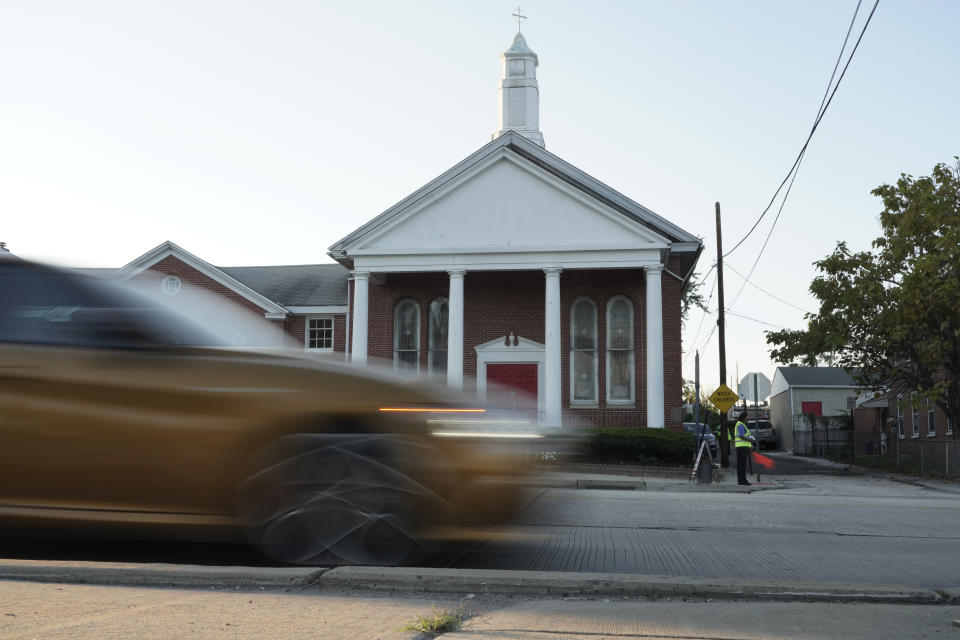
{"x":743,"y":440}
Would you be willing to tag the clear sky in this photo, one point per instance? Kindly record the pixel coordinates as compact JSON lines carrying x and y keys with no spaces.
{"x":262,"y":132}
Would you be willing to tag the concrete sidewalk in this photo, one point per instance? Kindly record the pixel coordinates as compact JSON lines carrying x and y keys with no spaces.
{"x":600,"y":477}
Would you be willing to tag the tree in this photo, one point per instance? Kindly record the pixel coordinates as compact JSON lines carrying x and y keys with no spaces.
{"x":891,"y":315}
{"x":691,"y":297}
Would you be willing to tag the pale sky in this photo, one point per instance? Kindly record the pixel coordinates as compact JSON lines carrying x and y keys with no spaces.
{"x":254,"y":133}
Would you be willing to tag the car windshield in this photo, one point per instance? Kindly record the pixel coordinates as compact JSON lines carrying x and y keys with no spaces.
{"x":47,"y":306}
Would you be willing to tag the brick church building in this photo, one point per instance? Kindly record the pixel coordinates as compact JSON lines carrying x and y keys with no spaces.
{"x":512,"y":267}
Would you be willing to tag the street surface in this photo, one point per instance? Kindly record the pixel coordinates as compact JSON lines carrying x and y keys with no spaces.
{"x":821,"y":527}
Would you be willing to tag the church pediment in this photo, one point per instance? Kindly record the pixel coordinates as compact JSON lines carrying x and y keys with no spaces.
{"x":508,"y":204}
{"x":510,"y":198}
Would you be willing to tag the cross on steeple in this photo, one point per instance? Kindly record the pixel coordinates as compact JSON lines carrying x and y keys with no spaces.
{"x":519,"y":16}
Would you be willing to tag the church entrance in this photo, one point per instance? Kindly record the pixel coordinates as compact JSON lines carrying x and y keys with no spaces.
{"x":513,"y":387}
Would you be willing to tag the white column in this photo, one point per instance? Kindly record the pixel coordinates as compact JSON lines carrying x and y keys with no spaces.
{"x":455,"y":330}
{"x":552,"y":390}
{"x":654,"y":347}
{"x":361,"y":290}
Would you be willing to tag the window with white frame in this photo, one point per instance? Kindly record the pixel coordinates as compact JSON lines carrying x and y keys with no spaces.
{"x":439,"y":325}
{"x":900,"y":431}
{"x":406,"y":334}
{"x":620,"y":351}
{"x":916,"y":417}
{"x":583,"y":352}
{"x":931,"y":424}
{"x":319,"y":334}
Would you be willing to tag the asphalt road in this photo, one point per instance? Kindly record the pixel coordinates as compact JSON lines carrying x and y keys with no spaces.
{"x":824,"y":526}
{"x":821,"y":527}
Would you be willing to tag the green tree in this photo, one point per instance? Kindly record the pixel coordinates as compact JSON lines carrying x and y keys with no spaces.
{"x":892,"y":314}
{"x":691,"y":297}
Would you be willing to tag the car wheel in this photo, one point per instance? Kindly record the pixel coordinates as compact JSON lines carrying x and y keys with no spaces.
{"x":345,"y":499}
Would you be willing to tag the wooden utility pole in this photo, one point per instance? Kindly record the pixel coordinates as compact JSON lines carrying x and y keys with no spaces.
{"x":724,"y":436}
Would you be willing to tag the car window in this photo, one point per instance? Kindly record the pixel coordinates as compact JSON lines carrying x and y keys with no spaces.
{"x":46,"y":306}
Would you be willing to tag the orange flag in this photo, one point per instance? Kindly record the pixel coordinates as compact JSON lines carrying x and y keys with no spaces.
{"x":763,"y":461}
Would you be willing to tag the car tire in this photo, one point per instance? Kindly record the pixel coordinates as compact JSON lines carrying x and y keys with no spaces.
{"x":357,"y":499}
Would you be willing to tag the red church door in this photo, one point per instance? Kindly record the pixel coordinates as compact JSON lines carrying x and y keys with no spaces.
{"x":513,"y":386}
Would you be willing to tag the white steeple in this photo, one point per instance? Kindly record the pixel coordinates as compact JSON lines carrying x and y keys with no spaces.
{"x":519,"y":94}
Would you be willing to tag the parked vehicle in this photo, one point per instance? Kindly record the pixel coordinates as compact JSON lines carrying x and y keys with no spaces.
{"x":696,"y":429}
{"x":764,"y":432}
{"x":119,"y":417}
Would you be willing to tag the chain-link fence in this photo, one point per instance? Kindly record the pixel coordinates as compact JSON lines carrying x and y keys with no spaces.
{"x":822,"y":437}
{"x":831,"y":437}
{"x":910,"y":455}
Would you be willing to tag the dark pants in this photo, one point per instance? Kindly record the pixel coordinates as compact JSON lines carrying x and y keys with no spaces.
{"x":743,"y":454}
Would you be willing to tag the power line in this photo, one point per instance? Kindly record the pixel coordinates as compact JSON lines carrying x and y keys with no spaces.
{"x":820,"y":113}
{"x":752,"y":284}
{"x":706,"y":312}
{"x":775,"y":326}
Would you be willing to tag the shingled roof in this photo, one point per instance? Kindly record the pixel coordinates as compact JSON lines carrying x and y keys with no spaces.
{"x":296,"y":285}
{"x":817,"y":377}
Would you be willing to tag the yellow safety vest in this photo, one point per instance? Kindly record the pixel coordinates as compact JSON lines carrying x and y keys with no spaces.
{"x":737,"y":440}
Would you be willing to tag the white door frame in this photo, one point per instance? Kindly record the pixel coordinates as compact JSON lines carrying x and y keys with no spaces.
{"x":497,"y":352}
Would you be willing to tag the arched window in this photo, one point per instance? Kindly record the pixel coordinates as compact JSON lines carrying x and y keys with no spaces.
{"x":406,"y":334}
{"x":437,"y":337}
{"x":620,"y":351}
{"x":583,"y":352}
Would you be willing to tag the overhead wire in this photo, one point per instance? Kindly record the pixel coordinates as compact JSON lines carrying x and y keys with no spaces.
{"x":752,"y":284}
{"x":824,"y":105}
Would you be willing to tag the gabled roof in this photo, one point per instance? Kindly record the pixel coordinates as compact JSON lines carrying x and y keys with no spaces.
{"x":817,"y":377}
{"x":680,"y":241}
{"x":168,"y":249}
{"x":296,"y":285}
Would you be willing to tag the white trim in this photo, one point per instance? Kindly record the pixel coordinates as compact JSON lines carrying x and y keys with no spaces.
{"x":321,"y":309}
{"x":499,"y":260}
{"x":596,"y":355}
{"x":306,"y":333}
{"x":496,"y":352}
{"x":167,"y":249}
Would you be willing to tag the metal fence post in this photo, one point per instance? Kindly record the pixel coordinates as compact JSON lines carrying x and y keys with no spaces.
{"x":921,"y":457}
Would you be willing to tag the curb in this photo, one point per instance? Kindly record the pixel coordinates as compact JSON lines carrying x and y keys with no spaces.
{"x":405,"y":580}
{"x":158,"y":575}
{"x":559,"y":584}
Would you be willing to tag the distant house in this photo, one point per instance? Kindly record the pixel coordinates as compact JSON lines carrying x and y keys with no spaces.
{"x":306,"y":303}
{"x":802,"y":391}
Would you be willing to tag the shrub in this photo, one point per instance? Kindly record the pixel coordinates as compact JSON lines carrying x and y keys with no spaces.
{"x":646,"y":446}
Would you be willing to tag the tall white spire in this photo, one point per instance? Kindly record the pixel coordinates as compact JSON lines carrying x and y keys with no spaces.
{"x":519,"y":93}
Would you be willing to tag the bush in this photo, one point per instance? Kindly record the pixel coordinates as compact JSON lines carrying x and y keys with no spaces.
{"x":644,"y":446}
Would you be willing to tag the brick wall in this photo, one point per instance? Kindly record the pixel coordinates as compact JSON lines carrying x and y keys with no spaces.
{"x":498,"y":303}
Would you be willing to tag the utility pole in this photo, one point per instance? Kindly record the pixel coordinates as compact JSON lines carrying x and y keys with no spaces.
{"x":724,"y":436}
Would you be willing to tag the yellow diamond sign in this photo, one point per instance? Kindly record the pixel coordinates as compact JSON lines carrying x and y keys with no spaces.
{"x":724,"y":398}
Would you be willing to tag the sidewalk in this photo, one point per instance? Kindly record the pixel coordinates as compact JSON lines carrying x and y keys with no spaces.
{"x":623,"y":477}
{"x":929,"y":483}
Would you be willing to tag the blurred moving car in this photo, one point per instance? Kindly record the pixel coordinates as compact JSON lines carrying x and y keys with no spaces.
{"x":764,"y":432}
{"x":119,"y":417}
{"x":696,"y":429}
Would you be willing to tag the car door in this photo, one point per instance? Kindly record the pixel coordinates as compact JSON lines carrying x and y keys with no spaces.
{"x":91,"y":418}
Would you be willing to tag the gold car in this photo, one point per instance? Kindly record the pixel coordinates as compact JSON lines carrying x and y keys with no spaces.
{"x":119,"y":417}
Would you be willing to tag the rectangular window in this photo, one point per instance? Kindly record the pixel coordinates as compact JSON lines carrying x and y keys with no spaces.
{"x":949,"y":421}
{"x":916,"y":419}
{"x":900,"y":431}
{"x":319,"y":335}
{"x":931,"y":423}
